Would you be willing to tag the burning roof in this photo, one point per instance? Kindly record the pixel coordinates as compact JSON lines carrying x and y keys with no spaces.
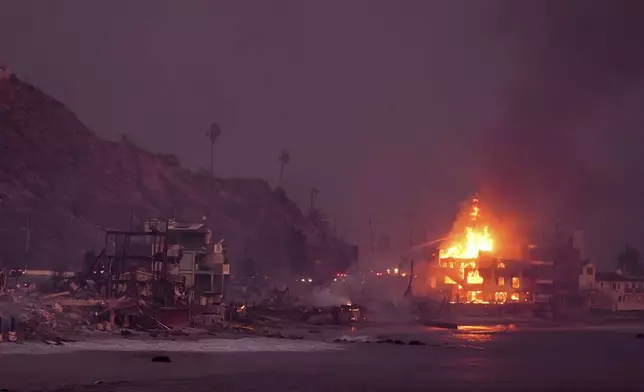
{"x":472,"y":238}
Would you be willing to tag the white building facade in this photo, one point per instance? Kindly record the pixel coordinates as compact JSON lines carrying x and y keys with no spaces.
{"x":612,"y":290}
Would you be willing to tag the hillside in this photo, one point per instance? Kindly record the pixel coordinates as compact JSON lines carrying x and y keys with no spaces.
{"x":67,"y":185}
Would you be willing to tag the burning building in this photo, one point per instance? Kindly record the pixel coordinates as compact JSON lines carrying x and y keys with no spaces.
{"x":470,"y":267}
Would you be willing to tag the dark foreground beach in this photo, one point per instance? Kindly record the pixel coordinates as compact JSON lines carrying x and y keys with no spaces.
{"x":518,"y":360}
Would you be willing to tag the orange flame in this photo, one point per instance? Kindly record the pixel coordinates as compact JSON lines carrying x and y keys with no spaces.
{"x":474,"y":241}
{"x":473,"y":277}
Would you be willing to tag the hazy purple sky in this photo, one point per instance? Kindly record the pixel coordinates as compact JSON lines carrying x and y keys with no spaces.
{"x":388,"y":107}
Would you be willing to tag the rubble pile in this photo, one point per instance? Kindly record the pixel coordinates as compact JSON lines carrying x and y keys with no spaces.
{"x":278,"y":317}
{"x":47,"y":317}
{"x":275,"y":307}
{"x":53,"y":322}
{"x":60,"y":316}
{"x":55,"y":318}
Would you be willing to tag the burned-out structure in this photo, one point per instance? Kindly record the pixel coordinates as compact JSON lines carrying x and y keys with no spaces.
{"x":135,"y":264}
{"x":203,"y":264}
{"x":562,"y":253}
{"x":167,"y":263}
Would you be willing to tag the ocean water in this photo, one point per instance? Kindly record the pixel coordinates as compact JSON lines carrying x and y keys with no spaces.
{"x":490,"y":358}
{"x":510,"y":358}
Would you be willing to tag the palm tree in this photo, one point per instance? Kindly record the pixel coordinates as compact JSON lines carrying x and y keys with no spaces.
{"x":213,"y":134}
{"x":284,"y":158}
{"x":314,"y":193}
{"x":629,"y":261}
{"x":319,"y":219}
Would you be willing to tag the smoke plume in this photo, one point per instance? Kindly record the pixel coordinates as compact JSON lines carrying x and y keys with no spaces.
{"x":575,"y":60}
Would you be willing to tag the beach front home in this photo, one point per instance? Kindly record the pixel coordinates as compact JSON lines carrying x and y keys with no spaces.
{"x":612,"y":290}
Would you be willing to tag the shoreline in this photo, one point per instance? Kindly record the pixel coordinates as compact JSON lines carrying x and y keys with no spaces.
{"x":488,"y":361}
{"x":298,"y":338}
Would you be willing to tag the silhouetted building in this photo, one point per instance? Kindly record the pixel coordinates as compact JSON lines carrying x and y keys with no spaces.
{"x":564,"y":257}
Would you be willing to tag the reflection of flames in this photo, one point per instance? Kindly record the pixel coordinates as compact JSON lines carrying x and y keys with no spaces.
{"x":480,"y":333}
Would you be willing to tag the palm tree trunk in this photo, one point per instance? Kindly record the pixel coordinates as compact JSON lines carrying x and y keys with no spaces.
{"x":212,"y":144}
{"x":279,"y":185}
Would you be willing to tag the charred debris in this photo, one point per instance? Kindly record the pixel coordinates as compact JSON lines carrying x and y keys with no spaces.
{"x":163,"y":279}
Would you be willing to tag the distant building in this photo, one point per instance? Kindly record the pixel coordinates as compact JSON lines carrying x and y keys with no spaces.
{"x":611,"y":290}
{"x":564,"y":257}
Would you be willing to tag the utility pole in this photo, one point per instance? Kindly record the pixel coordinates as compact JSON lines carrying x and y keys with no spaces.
{"x":212,"y":145}
{"x":424,"y":246}
{"x":411,"y":229}
{"x":27,"y":240}
{"x":372,"y":244}
{"x":284,"y":158}
{"x":131,"y":218}
{"x":335,"y":226}
{"x":409,"y":290}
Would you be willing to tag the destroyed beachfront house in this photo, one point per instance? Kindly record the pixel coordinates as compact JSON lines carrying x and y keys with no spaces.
{"x":203,"y":265}
{"x":167,"y":263}
{"x":166,"y":275}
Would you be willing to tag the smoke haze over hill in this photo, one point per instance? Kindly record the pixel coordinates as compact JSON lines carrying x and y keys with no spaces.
{"x":68,"y":186}
{"x":396,"y":111}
